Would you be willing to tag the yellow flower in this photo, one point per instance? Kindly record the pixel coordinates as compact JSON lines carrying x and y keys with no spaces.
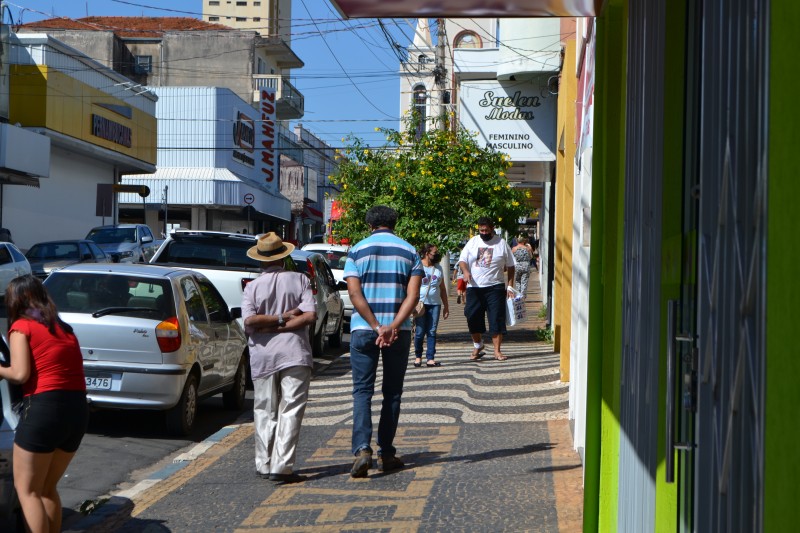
{"x":464,"y":158}
{"x":397,"y":165}
{"x":402,"y":174}
{"x":473,"y":173}
{"x":366,"y":169}
{"x":397,"y":150}
{"x":344,"y":186}
{"x":440,"y":154}
{"x":527,"y":194}
{"x":499,"y":219}
{"x":342,"y":139}
{"x":430,"y":158}
{"x":502,"y":173}
{"x":366,"y":150}
{"x":394,"y":188}
{"x":414,"y":234}
{"x":377,"y":129}
{"x":515,"y":203}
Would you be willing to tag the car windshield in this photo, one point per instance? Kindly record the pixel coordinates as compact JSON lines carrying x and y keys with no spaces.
{"x":95,"y":293}
{"x":210,"y":252}
{"x":335,"y":259}
{"x":55,"y":251}
{"x":112,"y":235}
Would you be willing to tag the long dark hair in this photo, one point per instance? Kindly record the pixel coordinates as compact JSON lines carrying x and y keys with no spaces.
{"x":26,"y":297}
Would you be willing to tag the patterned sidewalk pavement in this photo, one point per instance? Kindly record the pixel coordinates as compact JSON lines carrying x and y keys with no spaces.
{"x":486,"y":444}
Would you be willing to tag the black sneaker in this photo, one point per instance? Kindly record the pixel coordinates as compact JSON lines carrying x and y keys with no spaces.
{"x":387,"y":463}
{"x":362,"y":464}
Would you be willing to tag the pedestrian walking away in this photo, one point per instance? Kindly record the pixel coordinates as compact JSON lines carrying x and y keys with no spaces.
{"x":430,"y":294}
{"x":277,"y":308}
{"x":483,"y":261}
{"x":383,"y":274}
{"x":46,"y":359}
{"x":522,"y":256}
{"x":461,"y":286}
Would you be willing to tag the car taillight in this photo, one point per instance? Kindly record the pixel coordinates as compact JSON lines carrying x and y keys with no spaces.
{"x":245,"y":281}
{"x":312,"y":276}
{"x":168,"y":335}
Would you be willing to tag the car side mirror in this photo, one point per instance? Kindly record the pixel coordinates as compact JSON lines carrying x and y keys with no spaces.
{"x":147,"y":238}
{"x":341,"y":286}
{"x":236,"y":312}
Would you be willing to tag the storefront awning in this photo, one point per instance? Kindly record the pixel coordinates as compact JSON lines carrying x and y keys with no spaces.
{"x":311,"y":214}
{"x":208,"y":187}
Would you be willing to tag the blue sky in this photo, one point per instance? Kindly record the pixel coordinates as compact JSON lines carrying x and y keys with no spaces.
{"x":354,"y":97}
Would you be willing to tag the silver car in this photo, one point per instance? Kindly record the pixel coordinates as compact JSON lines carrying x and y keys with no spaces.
{"x":45,"y":257}
{"x":153,"y":338}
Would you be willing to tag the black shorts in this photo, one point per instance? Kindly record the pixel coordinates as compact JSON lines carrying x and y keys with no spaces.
{"x":483,"y":303}
{"x":52,"y":420}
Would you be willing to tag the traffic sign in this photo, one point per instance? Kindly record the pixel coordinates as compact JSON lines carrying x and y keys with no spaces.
{"x":249,"y":198}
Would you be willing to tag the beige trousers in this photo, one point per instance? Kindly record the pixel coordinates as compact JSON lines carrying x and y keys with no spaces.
{"x":279,"y":402}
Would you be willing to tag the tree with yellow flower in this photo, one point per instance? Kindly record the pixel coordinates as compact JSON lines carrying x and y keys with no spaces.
{"x":440,"y":183}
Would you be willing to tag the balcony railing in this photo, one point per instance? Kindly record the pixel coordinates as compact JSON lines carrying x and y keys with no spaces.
{"x":290,"y":101}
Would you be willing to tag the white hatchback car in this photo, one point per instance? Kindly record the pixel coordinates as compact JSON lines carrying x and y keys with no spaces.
{"x":153,"y":338}
{"x":335,"y":255}
{"x":12,"y":264}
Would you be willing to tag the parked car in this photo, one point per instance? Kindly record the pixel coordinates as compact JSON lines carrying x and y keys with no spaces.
{"x":12,"y":264}
{"x":10,"y":511}
{"x":153,"y":338}
{"x":330,"y":308}
{"x":335,"y":255}
{"x":125,"y":243}
{"x":222,"y":257}
{"x":45,"y":257}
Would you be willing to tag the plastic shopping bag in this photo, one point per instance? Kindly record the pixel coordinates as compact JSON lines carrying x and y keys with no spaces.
{"x":515,"y":309}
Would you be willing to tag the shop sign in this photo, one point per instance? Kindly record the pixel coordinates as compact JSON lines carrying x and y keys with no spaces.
{"x":269,"y":146}
{"x":518,"y":119}
{"x":111,"y":131}
{"x":244,"y":139}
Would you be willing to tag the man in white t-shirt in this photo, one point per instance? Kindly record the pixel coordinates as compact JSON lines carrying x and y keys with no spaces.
{"x":483,"y":262}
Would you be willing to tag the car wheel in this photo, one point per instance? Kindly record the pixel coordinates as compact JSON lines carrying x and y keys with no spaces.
{"x":233,"y":399}
{"x":318,"y":343}
{"x":335,"y":340}
{"x":180,"y":419}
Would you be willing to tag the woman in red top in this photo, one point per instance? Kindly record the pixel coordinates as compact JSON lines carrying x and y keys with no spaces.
{"x":46,"y":360}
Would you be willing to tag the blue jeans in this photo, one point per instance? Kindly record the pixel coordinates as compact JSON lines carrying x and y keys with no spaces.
{"x":364,"y":355}
{"x":426,"y":325}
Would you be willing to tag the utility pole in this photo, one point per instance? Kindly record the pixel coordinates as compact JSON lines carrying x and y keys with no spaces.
{"x":440,"y":73}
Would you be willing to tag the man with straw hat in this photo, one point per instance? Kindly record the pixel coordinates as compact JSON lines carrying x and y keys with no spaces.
{"x":277,"y":308}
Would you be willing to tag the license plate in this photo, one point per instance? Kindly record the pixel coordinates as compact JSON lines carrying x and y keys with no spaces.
{"x":98,"y":382}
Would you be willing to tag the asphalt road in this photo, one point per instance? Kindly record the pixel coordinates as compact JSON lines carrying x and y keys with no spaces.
{"x":122,"y":447}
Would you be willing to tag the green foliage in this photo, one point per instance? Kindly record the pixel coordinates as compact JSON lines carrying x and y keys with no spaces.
{"x":543,"y":311}
{"x":439,"y":184}
{"x":543,"y":334}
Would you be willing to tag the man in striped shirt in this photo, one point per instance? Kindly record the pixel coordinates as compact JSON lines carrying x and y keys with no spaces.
{"x":383,"y":274}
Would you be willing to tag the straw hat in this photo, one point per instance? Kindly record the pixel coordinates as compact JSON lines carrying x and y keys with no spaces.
{"x":270,"y":247}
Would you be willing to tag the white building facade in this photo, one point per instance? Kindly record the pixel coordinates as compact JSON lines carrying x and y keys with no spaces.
{"x":218,"y":165}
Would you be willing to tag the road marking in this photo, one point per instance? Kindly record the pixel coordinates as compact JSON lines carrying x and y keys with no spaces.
{"x":404,"y":506}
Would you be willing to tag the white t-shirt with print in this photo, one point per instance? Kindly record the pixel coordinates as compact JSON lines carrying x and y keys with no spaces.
{"x":487,"y":261}
{"x":433,"y":277}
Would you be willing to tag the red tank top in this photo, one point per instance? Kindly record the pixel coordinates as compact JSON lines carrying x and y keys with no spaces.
{"x":57,"y":361}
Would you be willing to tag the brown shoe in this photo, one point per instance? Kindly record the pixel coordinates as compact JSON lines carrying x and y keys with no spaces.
{"x":387,"y":463}
{"x":362,"y":464}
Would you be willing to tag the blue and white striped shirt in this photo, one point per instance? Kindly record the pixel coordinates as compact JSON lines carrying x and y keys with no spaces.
{"x":384,"y":263}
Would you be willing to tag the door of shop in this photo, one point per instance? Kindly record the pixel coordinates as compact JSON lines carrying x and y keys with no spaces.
{"x":717,"y":328}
